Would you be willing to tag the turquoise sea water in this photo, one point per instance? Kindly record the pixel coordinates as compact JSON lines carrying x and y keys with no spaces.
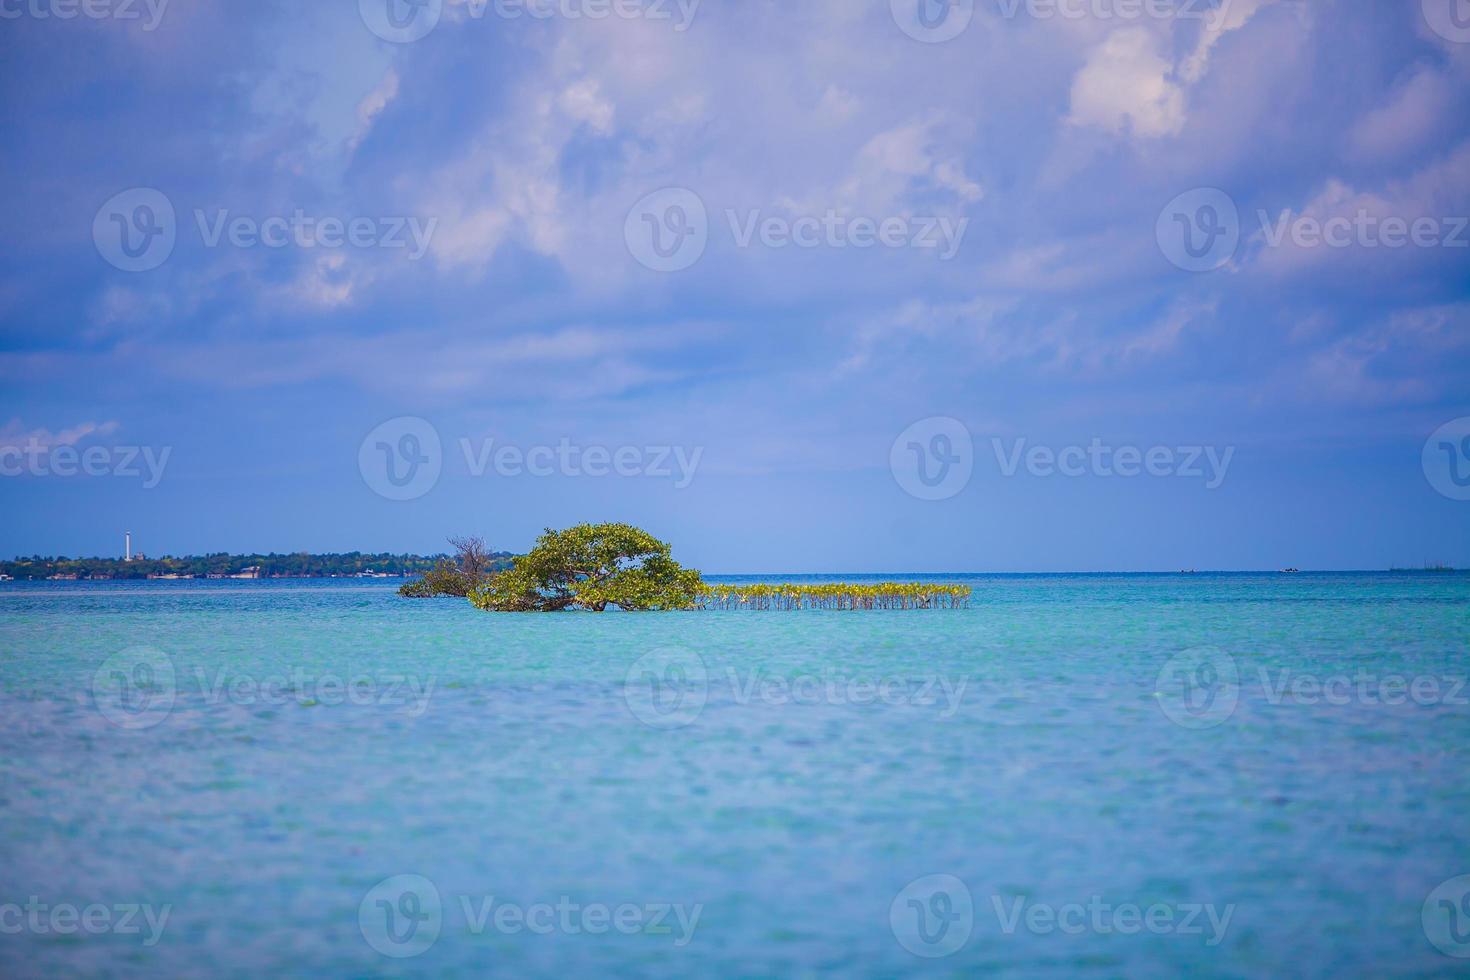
{"x":941,"y":792}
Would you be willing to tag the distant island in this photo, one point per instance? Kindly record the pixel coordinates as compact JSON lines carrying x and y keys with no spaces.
{"x":352,"y":564}
{"x":595,"y":567}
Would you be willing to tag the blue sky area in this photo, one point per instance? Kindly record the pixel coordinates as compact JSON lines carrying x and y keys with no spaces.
{"x":830,"y":285}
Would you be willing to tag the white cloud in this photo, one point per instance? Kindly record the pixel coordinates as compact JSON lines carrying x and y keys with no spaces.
{"x":1400,"y":360}
{"x":1163,"y":335}
{"x":326,"y":282}
{"x":1130,"y":84}
{"x":1231,"y":16}
{"x":1439,"y":194}
{"x":1126,"y":86}
{"x":893,"y":170}
{"x":1400,"y":126}
{"x":14,"y":435}
{"x":372,"y":106}
{"x":583,"y":101}
{"x":747,"y":118}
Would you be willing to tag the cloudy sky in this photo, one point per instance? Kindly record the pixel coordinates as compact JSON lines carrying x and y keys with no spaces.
{"x":811,"y":285}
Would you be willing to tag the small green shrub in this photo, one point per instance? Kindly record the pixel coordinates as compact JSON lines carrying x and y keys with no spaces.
{"x":444,"y":579}
{"x":591,"y":566}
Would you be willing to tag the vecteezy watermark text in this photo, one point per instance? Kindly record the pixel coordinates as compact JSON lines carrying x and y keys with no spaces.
{"x":136,"y":230}
{"x":669,"y":688}
{"x":124,"y":10}
{"x":934,"y":459}
{"x":569,"y":459}
{"x":835,"y":229}
{"x":669,"y":230}
{"x":137,"y":688}
{"x":937,"y":21}
{"x":403,"y":916}
{"x":1450,"y":19}
{"x":934,"y":916}
{"x":302,"y":230}
{"x":1445,"y":917}
{"x":1201,"y":230}
{"x":1201,"y":687}
{"x":1103,"y":918}
{"x":932,"y":21}
{"x":39,"y":459}
{"x":94,"y":919}
{"x":1206,"y":463}
{"x":1446,"y":459}
{"x":403,"y":458}
{"x":309,"y":689}
{"x":406,"y":21}
{"x":832,"y":688}
{"x":1286,"y":686}
{"x":1211,"y":12}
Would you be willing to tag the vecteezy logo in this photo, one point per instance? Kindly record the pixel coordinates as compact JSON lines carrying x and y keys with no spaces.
{"x":401,"y":459}
{"x":1446,"y":459}
{"x":1446,"y":917}
{"x":933,"y":916}
{"x":932,"y":21}
{"x":933,"y":458}
{"x":667,"y":230}
{"x":400,"y":21}
{"x":1199,"y":230}
{"x":667,"y":688}
{"x":134,"y":688}
{"x":1198,"y":688}
{"x":401,"y":916}
{"x":135,"y":230}
{"x":1450,"y":19}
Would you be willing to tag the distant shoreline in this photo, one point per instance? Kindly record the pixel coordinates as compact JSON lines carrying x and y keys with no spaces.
{"x":374,"y":575}
{"x":189,"y":568}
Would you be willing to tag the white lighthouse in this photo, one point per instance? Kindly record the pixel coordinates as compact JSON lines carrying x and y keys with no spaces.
{"x":127,"y":546}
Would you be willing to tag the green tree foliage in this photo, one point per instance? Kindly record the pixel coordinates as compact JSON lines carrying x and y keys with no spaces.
{"x":592,"y":566}
{"x":444,"y":578}
{"x":468,"y":571}
{"x":834,"y":595}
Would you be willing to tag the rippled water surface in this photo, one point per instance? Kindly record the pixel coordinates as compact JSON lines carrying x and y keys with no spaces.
{"x":257,"y":758}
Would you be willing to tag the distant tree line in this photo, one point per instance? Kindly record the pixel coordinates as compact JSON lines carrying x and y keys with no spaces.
{"x":298,"y":565}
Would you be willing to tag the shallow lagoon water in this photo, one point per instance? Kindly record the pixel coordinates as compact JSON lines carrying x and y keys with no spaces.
{"x":790,"y":779}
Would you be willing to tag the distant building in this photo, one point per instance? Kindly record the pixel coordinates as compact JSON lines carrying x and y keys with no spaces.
{"x":252,"y":572}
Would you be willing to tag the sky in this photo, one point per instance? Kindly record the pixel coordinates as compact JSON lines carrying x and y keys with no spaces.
{"x":811,"y":285}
